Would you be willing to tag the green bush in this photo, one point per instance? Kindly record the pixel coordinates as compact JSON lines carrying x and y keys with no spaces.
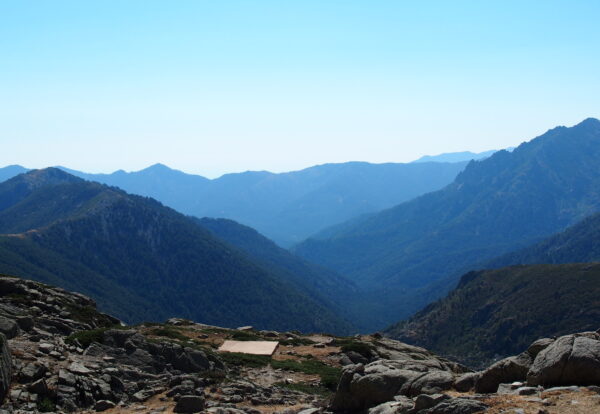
{"x":46,"y":405}
{"x":245,"y":336}
{"x":85,"y":338}
{"x":246,"y":360}
{"x":169,"y":333}
{"x":297,"y":342}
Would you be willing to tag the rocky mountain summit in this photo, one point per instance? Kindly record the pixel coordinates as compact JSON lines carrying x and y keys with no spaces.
{"x":59,"y":354}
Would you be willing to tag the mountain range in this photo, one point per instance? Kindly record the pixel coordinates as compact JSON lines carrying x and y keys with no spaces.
{"x":143,"y":261}
{"x":458,"y":156}
{"x":508,"y":201}
{"x":285,"y":207}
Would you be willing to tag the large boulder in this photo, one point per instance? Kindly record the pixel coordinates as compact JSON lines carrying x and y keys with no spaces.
{"x":537,"y":346}
{"x":430,"y":383}
{"x":570,"y":360}
{"x":362,"y":387}
{"x":189,"y":404}
{"x":456,"y":406}
{"x":510,"y":369}
{"x":466,"y":382}
{"x":400,"y":405}
{"x":8,"y":327}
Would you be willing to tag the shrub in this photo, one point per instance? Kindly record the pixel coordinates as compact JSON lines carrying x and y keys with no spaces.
{"x":246,"y":360}
{"x":169,"y":333}
{"x":245,"y":336}
{"x":46,"y":405}
{"x":85,"y":338}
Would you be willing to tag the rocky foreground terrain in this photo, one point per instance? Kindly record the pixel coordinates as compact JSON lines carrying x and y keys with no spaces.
{"x":59,"y":354}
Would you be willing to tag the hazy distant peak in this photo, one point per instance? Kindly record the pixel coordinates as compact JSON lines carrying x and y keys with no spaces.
{"x":455,"y":156}
{"x":589,"y":122}
{"x":158,"y":166}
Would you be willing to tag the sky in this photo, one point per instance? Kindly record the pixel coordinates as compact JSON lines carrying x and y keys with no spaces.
{"x":210,"y":87}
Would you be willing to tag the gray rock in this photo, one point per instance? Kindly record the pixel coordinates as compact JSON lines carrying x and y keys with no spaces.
{"x":104,"y":405}
{"x":402,"y":405}
{"x":79,"y":369}
{"x":431,"y":383}
{"x":8,"y":327}
{"x":356,"y":358}
{"x":526,"y":390}
{"x":46,"y":348}
{"x":425,"y":401}
{"x":572,"y":388}
{"x":32,"y":372}
{"x":38,"y":387}
{"x":466,"y":382}
{"x":345,"y":361}
{"x":570,"y":360}
{"x":537,"y":346}
{"x":189,"y":404}
{"x":456,"y":406}
{"x":65,"y":377}
{"x":6,"y":367}
{"x":509,"y":389}
{"x":25,"y":323}
{"x":144,"y":394}
{"x":507,"y":370}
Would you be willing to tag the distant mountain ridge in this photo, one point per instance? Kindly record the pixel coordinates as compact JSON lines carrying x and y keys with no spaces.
{"x":10,"y":171}
{"x":457,"y":156}
{"x":505,"y":202}
{"x":286,"y":207}
{"x":142,"y":260}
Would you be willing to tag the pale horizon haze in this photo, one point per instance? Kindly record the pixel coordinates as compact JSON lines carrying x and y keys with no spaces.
{"x":216,"y":87}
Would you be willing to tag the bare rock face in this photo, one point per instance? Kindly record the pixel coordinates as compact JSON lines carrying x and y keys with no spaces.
{"x":507,"y":370}
{"x":570,"y":360}
{"x":5,"y":368}
{"x":402,"y":370}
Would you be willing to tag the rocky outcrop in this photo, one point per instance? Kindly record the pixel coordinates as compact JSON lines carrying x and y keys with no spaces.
{"x":5,"y":368}
{"x":128,"y":347}
{"x":569,"y":360}
{"x":401,"y":370}
{"x":72,"y":357}
{"x":507,"y":370}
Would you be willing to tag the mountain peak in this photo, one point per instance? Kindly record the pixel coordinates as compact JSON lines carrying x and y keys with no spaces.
{"x":47,"y":176}
{"x":589,"y":122}
{"x":158,"y":167}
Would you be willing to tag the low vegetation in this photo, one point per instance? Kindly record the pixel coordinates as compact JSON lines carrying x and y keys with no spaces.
{"x":330,"y":376}
{"x":168,"y":332}
{"x":246,"y":360}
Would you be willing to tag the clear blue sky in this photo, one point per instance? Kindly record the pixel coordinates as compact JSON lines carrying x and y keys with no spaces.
{"x":217,"y":86}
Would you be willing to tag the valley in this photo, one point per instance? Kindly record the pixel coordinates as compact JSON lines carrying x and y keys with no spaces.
{"x":501,"y":261}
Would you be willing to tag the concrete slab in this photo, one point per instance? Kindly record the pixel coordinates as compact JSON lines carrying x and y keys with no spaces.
{"x":250,"y":347}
